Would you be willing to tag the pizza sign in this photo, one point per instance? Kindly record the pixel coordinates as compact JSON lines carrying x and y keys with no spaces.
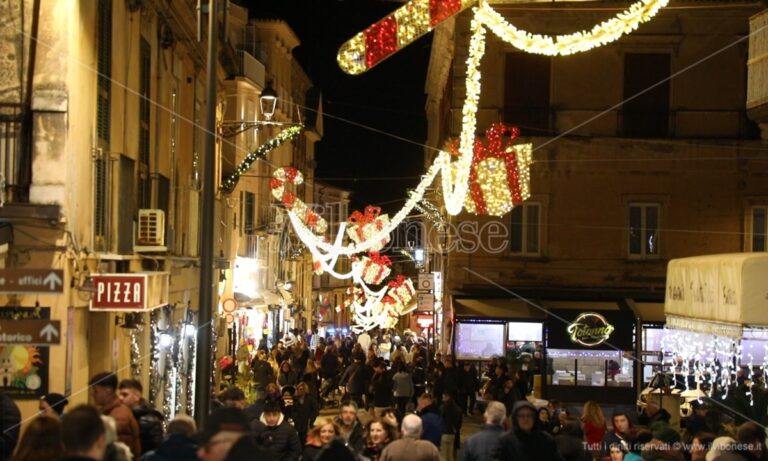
{"x":590,"y":329}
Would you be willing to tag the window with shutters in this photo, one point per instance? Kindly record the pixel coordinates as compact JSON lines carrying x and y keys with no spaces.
{"x":759,"y":228}
{"x":249,"y":212}
{"x":645,"y":113}
{"x":102,"y":180}
{"x":145,"y":183}
{"x":526,"y":92}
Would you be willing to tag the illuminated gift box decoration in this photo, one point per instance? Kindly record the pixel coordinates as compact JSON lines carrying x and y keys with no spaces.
{"x":500,"y":175}
{"x":363,"y":226}
{"x":375,"y":268}
{"x":401,"y":290}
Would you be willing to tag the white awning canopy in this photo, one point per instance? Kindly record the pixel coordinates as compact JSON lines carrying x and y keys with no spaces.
{"x":718,"y":293}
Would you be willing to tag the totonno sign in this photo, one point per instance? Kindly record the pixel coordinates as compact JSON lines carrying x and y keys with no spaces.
{"x":590,"y":329}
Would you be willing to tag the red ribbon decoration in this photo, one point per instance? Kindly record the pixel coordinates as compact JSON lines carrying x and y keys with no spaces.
{"x":379,"y":259}
{"x":371,"y":214}
{"x":399,"y":280}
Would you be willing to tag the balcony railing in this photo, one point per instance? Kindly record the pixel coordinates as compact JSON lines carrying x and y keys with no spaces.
{"x":15,"y":162}
{"x":251,"y":68}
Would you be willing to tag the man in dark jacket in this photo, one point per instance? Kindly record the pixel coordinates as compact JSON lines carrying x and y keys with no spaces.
{"x":452,"y":419}
{"x":150,"y":420}
{"x":178,"y":446}
{"x":10,"y":424}
{"x":329,"y":366}
{"x":356,"y":379}
{"x":432,"y":422}
{"x":468,"y":386}
{"x":484,"y":444}
{"x":621,"y":425}
{"x":263,"y":373}
{"x":275,"y":435}
{"x":350,"y":427}
{"x":526,"y":441}
{"x":305,"y":410}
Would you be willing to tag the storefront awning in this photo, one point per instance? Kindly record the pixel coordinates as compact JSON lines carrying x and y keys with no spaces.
{"x":496,"y":308}
{"x":722,"y":289}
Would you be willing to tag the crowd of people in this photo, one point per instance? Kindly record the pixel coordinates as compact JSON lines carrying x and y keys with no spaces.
{"x":409,"y":404}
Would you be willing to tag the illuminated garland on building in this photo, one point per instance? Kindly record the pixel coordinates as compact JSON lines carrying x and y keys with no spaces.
{"x":601,"y":34}
{"x":260,"y":153}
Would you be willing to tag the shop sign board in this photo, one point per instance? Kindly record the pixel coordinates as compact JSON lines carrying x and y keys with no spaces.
{"x":129,"y":292}
{"x":40,"y":281}
{"x":33,"y":332}
{"x":24,"y":363}
{"x":590,"y":329}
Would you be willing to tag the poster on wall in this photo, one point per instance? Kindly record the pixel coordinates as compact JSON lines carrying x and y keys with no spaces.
{"x":23,"y":367}
{"x":479,"y":341}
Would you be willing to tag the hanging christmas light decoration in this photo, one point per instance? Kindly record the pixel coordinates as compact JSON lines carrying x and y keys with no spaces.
{"x":260,"y":153}
{"x":432,"y":213}
{"x":291,"y":175}
{"x":394,"y":32}
{"x":418,"y":17}
{"x":601,"y":34}
{"x":499,"y":178}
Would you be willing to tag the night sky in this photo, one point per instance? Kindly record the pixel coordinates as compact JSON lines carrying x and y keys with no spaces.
{"x":390,"y":98}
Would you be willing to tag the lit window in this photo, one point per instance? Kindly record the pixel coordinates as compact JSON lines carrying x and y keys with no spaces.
{"x":525,"y":229}
{"x":644,"y":230}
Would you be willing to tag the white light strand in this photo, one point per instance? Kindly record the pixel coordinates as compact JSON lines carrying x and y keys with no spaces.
{"x":456,"y":177}
{"x":601,"y":34}
{"x":750,"y":377}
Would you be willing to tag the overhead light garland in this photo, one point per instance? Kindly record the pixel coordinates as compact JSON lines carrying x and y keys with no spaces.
{"x":601,"y":34}
{"x":259,"y":153}
{"x":432,"y":213}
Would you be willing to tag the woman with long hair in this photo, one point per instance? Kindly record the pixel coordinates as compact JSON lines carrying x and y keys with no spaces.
{"x":319,"y":437}
{"x":378,"y":434}
{"x":594,"y":425}
{"x":41,"y":441}
{"x":286,"y":377}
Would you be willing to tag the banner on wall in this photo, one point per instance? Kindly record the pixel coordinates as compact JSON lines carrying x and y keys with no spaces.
{"x":24,"y":367}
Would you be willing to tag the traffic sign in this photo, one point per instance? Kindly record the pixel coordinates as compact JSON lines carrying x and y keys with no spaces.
{"x":426,"y":281}
{"x":35,"y":332}
{"x":426,"y":302}
{"x":40,"y":281}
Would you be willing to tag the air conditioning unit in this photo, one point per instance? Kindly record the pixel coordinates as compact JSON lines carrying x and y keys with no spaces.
{"x":150,"y":235}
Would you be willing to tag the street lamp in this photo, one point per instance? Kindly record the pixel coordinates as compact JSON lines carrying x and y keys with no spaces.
{"x":268,"y":102}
